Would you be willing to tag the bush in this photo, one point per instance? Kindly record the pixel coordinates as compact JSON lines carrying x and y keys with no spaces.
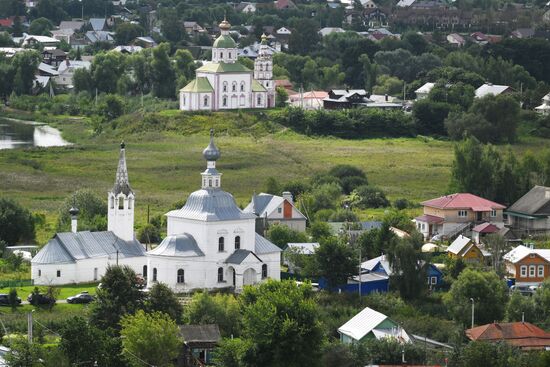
{"x":371,"y":197}
{"x":343,"y":215}
{"x":401,"y":204}
{"x":16,"y":222}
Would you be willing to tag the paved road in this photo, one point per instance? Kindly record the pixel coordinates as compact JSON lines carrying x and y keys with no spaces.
{"x":58,"y":301}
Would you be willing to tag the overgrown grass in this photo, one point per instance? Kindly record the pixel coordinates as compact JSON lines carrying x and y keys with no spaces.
{"x":64,"y":291}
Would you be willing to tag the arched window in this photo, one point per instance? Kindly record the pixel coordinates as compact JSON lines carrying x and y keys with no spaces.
{"x":264,"y":271}
{"x":259,"y":100}
{"x":220,"y":275}
{"x":221,"y":55}
{"x":224,"y":101}
{"x":237,"y":242}
{"x":234,"y":87}
{"x":145,"y":271}
{"x":181,"y":276}
{"x":261,"y":67}
{"x":242,"y":87}
{"x":221,"y":243}
{"x":205,"y":101}
{"x":229,"y":55}
{"x":121,"y":203}
{"x":130,"y":203}
{"x":225,"y":86}
{"x":111,"y":202}
{"x":154,"y":274}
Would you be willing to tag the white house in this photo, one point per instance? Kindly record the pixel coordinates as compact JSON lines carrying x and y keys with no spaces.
{"x":494,"y":89}
{"x":330,"y":30}
{"x":226,"y":84}
{"x":456,"y":39}
{"x":277,"y":210}
{"x":66,"y":71}
{"x":210,"y":242}
{"x":544,"y":108}
{"x":371,"y":324}
{"x":45,"y":41}
{"x":424,"y":91}
{"x":312,"y":100}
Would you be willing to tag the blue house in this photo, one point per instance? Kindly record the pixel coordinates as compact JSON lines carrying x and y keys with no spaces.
{"x":435,"y":276}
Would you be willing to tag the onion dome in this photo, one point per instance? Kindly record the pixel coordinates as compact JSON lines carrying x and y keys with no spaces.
{"x":73,"y":211}
{"x":264,"y":39}
{"x":224,"y":25}
{"x":211,"y":152}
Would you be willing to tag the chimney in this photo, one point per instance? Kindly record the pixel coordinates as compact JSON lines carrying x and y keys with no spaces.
{"x":74,"y":219}
{"x":287,"y":195}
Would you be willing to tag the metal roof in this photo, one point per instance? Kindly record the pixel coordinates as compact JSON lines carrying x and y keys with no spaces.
{"x":257,"y":87}
{"x":209,"y":205}
{"x":489,"y":88}
{"x":263,"y":246}
{"x":239,"y":256}
{"x":209,"y":333}
{"x":264,"y":204}
{"x":458,"y":244}
{"x":198,"y":85}
{"x":68,"y":247}
{"x":362,"y":323}
{"x":223,"y":67}
{"x":535,"y":202}
{"x":224,"y":41}
{"x":122,"y":184}
{"x":463,"y":201}
{"x":180,"y":245}
{"x":98,"y":24}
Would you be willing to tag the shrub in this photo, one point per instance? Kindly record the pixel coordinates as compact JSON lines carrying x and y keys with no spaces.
{"x":371,"y":197}
{"x":401,"y":204}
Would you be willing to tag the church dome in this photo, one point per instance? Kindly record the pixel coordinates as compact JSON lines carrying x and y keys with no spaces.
{"x":225,"y":41}
{"x":224,"y":25}
{"x":211,"y":152}
{"x":182,"y":245}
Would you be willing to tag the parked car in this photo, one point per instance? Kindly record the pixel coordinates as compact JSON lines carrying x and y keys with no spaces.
{"x":526,"y":290}
{"x":40,"y":299}
{"x":82,"y":297}
{"x":5,"y":300}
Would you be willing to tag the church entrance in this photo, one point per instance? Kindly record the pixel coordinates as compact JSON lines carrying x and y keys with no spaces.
{"x":250,"y":277}
{"x":230,"y":276}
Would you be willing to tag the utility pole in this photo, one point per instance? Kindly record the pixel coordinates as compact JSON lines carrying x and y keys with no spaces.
{"x":473,"y":310}
{"x":29,"y":326}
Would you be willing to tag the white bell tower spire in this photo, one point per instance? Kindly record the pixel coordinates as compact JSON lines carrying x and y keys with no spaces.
{"x":211,"y":178}
{"x":121,"y":202}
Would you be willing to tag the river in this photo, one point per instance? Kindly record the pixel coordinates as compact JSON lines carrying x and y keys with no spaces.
{"x":22,"y":134}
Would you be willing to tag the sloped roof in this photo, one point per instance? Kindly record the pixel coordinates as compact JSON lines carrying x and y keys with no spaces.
{"x":372,"y":263}
{"x":48,"y":69}
{"x":209,"y":333}
{"x":429,"y":219}
{"x":98,"y":24}
{"x":426,"y":88}
{"x":71,"y":24}
{"x":263,"y":246}
{"x":520,"y":252}
{"x":458,"y":244}
{"x":210,"y":204}
{"x":257,"y":87}
{"x":307,"y":248}
{"x":180,"y":245}
{"x":521,"y":334}
{"x":238,"y":256}
{"x":224,"y":41}
{"x":486,"y":228}
{"x":68,"y":247}
{"x":224,"y":67}
{"x":362,"y":323}
{"x":264,"y":204}
{"x":535,"y":202}
{"x":493,"y":89}
{"x":198,"y":85}
{"x":463,"y":201}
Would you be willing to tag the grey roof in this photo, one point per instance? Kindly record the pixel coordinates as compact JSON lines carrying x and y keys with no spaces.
{"x":264,"y":246}
{"x":239,"y":255}
{"x":182,"y":245}
{"x":211,"y":152}
{"x":534,"y":202}
{"x":122,"y":184}
{"x":71,"y":24}
{"x":200,"y":333}
{"x":211,"y":204}
{"x":98,"y":24}
{"x":68,"y":247}
{"x":97,"y":36}
{"x":259,"y":203}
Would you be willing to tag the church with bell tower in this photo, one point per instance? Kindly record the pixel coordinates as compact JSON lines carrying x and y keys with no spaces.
{"x":224,"y":83}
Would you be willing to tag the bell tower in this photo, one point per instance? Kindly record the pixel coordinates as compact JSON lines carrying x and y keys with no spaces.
{"x":120,"y":219}
{"x":263,"y":71}
{"x":211,"y":178}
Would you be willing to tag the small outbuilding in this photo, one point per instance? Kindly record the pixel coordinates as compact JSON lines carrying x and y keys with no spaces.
{"x":199,"y":341}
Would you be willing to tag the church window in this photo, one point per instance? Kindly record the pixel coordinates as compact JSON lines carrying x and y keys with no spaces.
{"x":261,"y":67}
{"x":39,"y":272}
{"x":221,"y":241}
{"x":225,"y":86}
{"x":237,"y":242}
{"x":205,"y":101}
{"x":220,"y":275}
{"x":217,"y":183}
{"x":111,"y":202}
{"x":234,"y":87}
{"x":209,"y":182}
{"x":181,"y":276}
{"x":224,"y":101}
{"x":221,"y":55}
{"x":121,"y":203}
{"x":145,"y":271}
{"x":154,"y":274}
{"x":230,"y":55}
{"x":130,"y":203}
{"x":264,"y":271}
{"x":242,"y":87}
{"x":259,"y":100}
{"x":59,"y":273}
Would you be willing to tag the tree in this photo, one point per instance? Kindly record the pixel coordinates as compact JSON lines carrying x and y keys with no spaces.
{"x":281,"y":322}
{"x":5,"y":40}
{"x":150,"y":338}
{"x":304,"y":37}
{"x":281,"y":96}
{"x":502,"y":112}
{"x":172,"y":27}
{"x":92,"y":212}
{"x":319,"y":230}
{"x":111,"y":107}
{"x":497,"y":246}
{"x":335,"y":261}
{"x":149,"y":234}
{"x":82,"y":343}
{"x":370,"y":71}
{"x":40,"y":27}
{"x":231,"y":352}
{"x":408,"y":267}
{"x":281,"y":234}
{"x":106,"y":69}
{"x":127,"y":32}
{"x":82,"y":80}
{"x":430,"y":116}
{"x":6,"y":79}
{"x":162,"y":299}
{"x":521,"y":308}
{"x":485,"y":288}
{"x":25,"y":65}
{"x":221,"y":309}
{"x":370,"y":197}
{"x":119,"y":295}
{"x":16,"y":222}
{"x":162,"y":72}
{"x":24,"y":354}
{"x":12,"y":299}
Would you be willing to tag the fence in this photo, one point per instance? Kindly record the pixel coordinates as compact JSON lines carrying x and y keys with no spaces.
{"x":16,"y":283}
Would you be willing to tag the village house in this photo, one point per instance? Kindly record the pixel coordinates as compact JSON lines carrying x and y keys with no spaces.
{"x":371,"y":324}
{"x":527,"y":265}
{"x":489,"y":88}
{"x":466,"y":249}
{"x":273,"y":209}
{"x":456,"y":39}
{"x":66,"y":71}
{"x":523,"y":335}
{"x":200,"y":341}
{"x":312,"y":100}
{"x":307,"y":248}
{"x":450,"y":215}
{"x":530,"y":215}
{"x":424,"y":91}
{"x":45,"y":41}
{"x":54,"y":57}
{"x":345,"y":98}
{"x":544,"y":108}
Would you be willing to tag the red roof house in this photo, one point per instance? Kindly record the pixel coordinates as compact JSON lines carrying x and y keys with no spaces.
{"x":520,"y":334}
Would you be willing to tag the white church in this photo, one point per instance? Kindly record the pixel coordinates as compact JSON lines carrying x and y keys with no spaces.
{"x":210,"y":242}
{"x":224,"y":83}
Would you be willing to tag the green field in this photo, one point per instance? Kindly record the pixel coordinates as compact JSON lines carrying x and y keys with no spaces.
{"x":64,"y":291}
{"x":164,"y":166}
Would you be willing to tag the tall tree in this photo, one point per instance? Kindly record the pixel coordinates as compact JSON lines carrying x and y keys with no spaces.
{"x":162,"y":72}
{"x":151,"y":339}
{"x":162,"y":299}
{"x":25,"y":65}
{"x":335,"y":261}
{"x":82,"y":343}
{"x":16,"y":222}
{"x":408,"y":267}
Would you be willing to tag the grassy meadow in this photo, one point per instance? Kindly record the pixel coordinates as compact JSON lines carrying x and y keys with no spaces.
{"x":164,"y":161}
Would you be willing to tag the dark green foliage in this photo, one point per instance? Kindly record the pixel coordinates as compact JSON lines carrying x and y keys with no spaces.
{"x":162,"y":299}
{"x":118,"y":295}
{"x":12,"y":298}
{"x":149,"y":234}
{"x":24,"y":354}
{"x":281,"y":97}
{"x":162,"y":72}
{"x":232,"y":352}
{"x":319,"y":230}
{"x":92,"y":215}
{"x":281,"y":234}
{"x":82,"y":343}
{"x":408,"y":267}
{"x":343,"y":215}
{"x":221,"y":309}
{"x":429,"y":116}
{"x":371,"y":197}
{"x":375,"y":242}
{"x":16,"y":222}
{"x":111,"y":107}
{"x":25,"y":65}
{"x":401,"y":204}
{"x":127,"y":32}
{"x":40,"y":27}
{"x":335,"y":261}
{"x":272,"y":186}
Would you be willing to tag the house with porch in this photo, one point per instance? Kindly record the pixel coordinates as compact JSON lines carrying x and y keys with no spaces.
{"x":530,"y":215}
{"x":451,"y":215}
{"x":527,"y":265}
